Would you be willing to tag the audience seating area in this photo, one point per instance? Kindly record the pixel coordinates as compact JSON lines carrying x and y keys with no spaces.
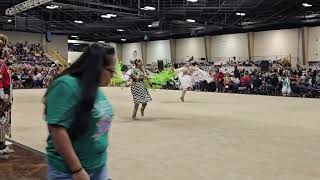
{"x":247,"y":77}
{"x":30,"y":66}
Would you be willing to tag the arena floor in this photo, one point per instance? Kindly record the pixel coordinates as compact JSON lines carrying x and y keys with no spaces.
{"x":211,"y":136}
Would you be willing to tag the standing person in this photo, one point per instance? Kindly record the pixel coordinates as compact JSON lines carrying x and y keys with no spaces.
{"x":286,"y":86}
{"x":79,"y":116}
{"x":236,"y":72}
{"x":5,"y":98}
{"x":314,"y":78}
{"x":219,"y":80}
{"x":139,"y":92}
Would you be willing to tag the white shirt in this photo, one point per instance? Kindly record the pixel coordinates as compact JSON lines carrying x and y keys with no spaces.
{"x":37,"y":77}
{"x":235,"y":80}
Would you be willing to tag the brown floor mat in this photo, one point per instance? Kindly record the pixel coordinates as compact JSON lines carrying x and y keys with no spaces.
{"x":24,"y":164}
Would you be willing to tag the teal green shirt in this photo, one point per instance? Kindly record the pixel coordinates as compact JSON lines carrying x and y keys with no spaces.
{"x":91,"y":148}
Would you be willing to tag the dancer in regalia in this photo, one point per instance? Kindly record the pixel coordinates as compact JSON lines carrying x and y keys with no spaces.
{"x":185,"y":78}
{"x":286,"y":85}
{"x":5,"y":98}
{"x":138,"y":88}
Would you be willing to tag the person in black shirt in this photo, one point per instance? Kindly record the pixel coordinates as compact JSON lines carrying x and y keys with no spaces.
{"x":236,"y":72}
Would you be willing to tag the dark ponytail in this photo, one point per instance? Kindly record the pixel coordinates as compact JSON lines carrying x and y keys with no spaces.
{"x":88,"y":69}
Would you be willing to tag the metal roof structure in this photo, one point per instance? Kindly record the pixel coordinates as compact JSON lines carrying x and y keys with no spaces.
{"x":137,"y":20}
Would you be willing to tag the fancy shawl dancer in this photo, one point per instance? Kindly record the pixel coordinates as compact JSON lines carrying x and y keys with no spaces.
{"x":5,"y":98}
{"x":138,"y":88}
{"x":185,"y":78}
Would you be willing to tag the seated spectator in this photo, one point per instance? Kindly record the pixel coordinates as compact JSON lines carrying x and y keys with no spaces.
{"x":227,"y":82}
{"x":235,"y":83}
{"x":245,"y":81}
{"x":37,"y":79}
{"x":256,"y":84}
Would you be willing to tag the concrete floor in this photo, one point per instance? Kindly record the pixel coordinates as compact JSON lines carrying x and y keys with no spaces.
{"x":211,"y":136}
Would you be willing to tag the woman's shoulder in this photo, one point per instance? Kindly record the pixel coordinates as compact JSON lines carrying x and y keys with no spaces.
{"x":67,"y":80}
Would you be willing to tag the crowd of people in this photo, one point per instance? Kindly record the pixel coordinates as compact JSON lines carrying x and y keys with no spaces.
{"x":279,"y":80}
{"x":33,"y":77}
{"x":30,"y":67}
{"x":25,"y":53}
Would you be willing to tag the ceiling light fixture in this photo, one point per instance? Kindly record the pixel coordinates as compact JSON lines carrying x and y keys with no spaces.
{"x":78,"y":21}
{"x":52,"y":7}
{"x":101,"y":41}
{"x":192,"y":1}
{"x":76,"y":44}
{"x":108,"y":16}
{"x":306,"y":5}
{"x":123,"y":39}
{"x":148,"y":8}
{"x":9,"y":20}
{"x":312,"y":16}
{"x":240,"y":14}
{"x":191,"y":20}
{"x":150,"y":25}
{"x":120,"y":30}
{"x":74,"y":36}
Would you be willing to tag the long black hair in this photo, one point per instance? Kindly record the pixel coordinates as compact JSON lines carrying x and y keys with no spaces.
{"x":88,"y":68}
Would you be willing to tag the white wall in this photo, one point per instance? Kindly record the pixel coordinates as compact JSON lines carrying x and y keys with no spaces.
{"x":190,"y":47}
{"x":60,"y":44}
{"x":279,"y":42}
{"x":314,"y":44}
{"x":73,"y":56}
{"x":128,"y":49}
{"x":230,"y":45}
{"x":158,"y":50}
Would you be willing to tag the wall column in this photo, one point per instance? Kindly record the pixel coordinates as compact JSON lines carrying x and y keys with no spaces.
{"x":144,"y":52}
{"x":305,"y":45}
{"x":207,"y":41}
{"x":173,"y":50}
{"x":251,"y":45}
{"x":119,"y":51}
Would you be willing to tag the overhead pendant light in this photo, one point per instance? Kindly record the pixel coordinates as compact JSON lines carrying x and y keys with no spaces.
{"x":123,"y":39}
{"x":306,"y":5}
{"x":240,"y":14}
{"x":120,"y":30}
{"x":148,"y":8}
{"x":9,"y":20}
{"x":108,"y":16}
{"x":52,"y":7}
{"x":191,"y":20}
{"x":78,"y":21}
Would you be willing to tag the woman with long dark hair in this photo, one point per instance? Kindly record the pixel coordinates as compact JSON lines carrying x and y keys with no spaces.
{"x":139,"y":92}
{"x":79,"y":116}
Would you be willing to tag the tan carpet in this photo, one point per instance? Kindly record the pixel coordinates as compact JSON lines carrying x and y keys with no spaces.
{"x":209,"y":137}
